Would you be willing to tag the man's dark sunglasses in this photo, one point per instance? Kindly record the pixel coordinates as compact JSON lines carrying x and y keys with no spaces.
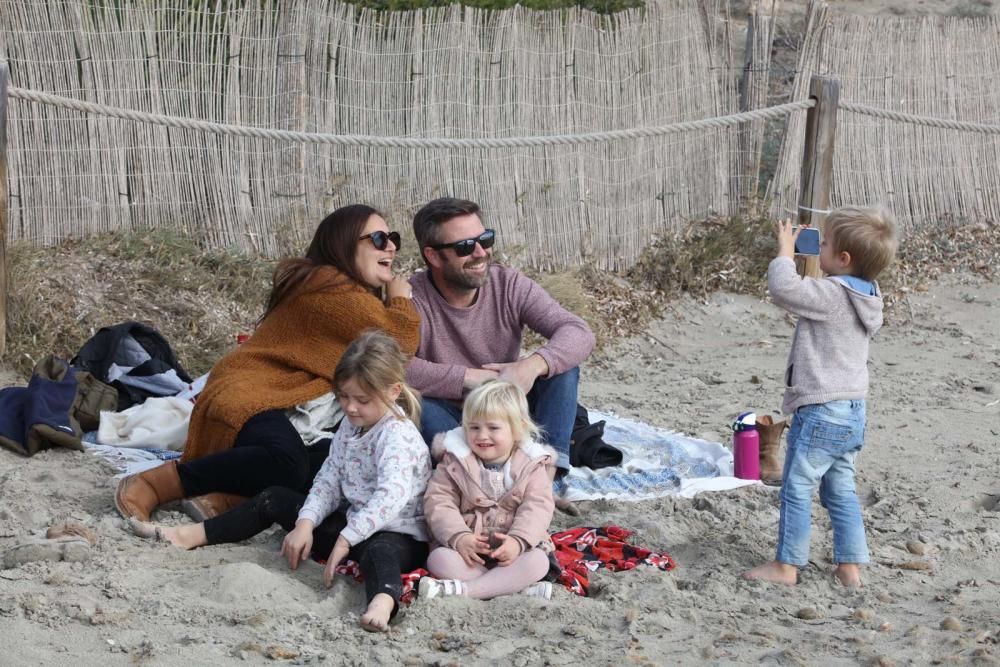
{"x":466,"y":247}
{"x":381,"y":239}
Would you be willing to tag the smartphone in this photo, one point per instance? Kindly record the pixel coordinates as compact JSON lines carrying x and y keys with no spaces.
{"x":807,"y":242}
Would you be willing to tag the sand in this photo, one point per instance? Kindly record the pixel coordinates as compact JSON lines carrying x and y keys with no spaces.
{"x":927,"y":477}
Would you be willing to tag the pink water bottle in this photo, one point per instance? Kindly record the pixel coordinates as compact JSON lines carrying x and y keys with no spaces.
{"x":746,"y":447}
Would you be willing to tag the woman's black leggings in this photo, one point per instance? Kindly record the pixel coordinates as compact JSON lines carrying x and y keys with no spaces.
{"x":383,"y":557}
{"x":268,"y":451}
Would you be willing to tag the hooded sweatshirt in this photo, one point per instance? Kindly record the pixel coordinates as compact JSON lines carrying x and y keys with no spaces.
{"x":829,"y":356}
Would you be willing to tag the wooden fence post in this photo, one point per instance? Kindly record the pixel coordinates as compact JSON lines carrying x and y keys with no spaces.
{"x":4,"y":79}
{"x":817,"y":161}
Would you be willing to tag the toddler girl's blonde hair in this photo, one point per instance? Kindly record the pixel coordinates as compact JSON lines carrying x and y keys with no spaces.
{"x":375,"y":361}
{"x":498,"y":399}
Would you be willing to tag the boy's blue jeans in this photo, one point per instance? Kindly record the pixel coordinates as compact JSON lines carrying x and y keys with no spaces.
{"x":822,"y":443}
{"x":552,"y":402}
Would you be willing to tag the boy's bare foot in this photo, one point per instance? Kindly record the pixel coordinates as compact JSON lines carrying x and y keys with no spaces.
{"x":376,"y":617}
{"x":848,"y":574}
{"x":775,"y":572}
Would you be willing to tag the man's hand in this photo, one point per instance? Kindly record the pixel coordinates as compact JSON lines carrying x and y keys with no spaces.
{"x":476,"y":376}
{"x":786,"y":238}
{"x":522,"y":372}
{"x":470,"y":546}
{"x":508,"y":551}
{"x":339,"y":553}
{"x":298,"y":543}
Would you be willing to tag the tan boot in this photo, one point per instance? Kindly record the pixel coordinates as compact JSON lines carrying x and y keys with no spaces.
{"x":202,"y":508}
{"x":770,"y":444}
{"x":138,"y":495}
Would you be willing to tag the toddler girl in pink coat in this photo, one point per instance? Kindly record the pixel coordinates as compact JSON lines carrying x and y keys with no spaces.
{"x":489,"y":502}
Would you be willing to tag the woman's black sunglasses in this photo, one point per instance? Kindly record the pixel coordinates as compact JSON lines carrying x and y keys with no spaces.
{"x":381,"y":239}
{"x":466,"y":247}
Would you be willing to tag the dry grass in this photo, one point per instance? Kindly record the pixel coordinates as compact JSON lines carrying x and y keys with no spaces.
{"x":201,"y":299}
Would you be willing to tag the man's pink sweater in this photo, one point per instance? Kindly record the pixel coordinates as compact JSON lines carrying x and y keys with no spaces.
{"x":489,"y":331}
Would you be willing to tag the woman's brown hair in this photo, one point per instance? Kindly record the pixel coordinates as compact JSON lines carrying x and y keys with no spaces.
{"x":334,"y":244}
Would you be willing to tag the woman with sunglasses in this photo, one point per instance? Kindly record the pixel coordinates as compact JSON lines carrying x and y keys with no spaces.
{"x":264,"y":400}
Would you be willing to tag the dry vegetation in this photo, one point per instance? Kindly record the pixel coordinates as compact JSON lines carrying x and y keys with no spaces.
{"x":200,"y":300}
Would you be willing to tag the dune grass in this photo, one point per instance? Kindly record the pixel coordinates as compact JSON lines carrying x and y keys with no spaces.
{"x":201,"y":299}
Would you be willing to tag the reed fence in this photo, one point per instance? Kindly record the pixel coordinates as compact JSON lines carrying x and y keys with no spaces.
{"x":916,"y":90}
{"x":322,"y":67}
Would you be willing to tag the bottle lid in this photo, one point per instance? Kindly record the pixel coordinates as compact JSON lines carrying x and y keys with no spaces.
{"x":745,"y":421}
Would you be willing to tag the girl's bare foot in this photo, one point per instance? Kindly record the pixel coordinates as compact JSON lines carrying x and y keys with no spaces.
{"x":775,"y":572}
{"x":376,"y":617}
{"x":848,"y":574}
{"x":188,"y":536}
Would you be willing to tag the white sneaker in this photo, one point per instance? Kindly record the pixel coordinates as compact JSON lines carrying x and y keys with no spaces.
{"x":542,"y":589}
{"x":430,"y":588}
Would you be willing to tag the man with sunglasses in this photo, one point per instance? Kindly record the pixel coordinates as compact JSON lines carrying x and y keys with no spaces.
{"x":472,"y":315}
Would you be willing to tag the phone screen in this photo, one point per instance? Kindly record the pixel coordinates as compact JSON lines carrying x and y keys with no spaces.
{"x":807,"y":242}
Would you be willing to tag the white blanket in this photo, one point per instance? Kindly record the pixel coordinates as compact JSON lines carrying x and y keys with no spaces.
{"x":156,"y":422}
{"x":655,"y":463}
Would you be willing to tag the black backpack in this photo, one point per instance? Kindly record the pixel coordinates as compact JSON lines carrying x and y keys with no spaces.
{"x":587,"y":446}
{"x":136,"y":360}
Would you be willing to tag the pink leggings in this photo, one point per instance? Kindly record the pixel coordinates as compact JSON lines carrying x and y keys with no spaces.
{"x":482,"y":583}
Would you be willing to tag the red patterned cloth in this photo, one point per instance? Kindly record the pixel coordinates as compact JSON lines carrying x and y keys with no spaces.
{"x":583,"y":550}
{"x":579,"y":551}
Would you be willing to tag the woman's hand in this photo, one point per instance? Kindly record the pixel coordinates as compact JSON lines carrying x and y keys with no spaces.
{"x":398,"y":287}
{"x":338,"y":554}
{"x":469,"y":547}
{"x":508,"y":551}
{"x":298,"y":543}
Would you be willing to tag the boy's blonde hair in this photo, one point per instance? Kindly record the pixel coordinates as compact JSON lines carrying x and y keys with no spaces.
{"x":868,"y":234}
{"x":375,"y":361}
{"x":498,"y":399}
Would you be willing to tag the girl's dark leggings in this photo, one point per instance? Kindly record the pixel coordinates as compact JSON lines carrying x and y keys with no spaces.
{"x":383,"y":557}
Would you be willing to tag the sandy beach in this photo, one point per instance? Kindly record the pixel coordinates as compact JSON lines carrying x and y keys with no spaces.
{"x":927,"y":477}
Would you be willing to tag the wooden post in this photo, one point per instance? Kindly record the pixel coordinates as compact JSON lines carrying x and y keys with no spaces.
{"x":817,"y":161}
{"x":4,"y":79}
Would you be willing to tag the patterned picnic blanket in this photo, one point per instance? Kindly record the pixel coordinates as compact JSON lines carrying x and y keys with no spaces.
{"x":655,"y":463}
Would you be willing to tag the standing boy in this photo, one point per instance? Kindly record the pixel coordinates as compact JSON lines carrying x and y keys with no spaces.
{"x":826,"y":383}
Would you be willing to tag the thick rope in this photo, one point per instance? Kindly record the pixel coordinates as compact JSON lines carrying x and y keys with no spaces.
{"x":926,"y":121}
{"x":405,"y":142}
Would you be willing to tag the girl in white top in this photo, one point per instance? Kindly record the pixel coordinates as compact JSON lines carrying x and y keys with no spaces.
{"x":378,"y":467}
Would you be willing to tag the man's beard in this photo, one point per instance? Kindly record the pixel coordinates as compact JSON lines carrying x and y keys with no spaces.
{"x":459,"y":279}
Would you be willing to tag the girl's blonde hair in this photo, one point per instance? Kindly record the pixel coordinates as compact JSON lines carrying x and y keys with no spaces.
{"x":498,"y":399}
{"x":375,"y":361}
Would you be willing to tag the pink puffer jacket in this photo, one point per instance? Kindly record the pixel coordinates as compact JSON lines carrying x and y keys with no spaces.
{"x":455,"y":502}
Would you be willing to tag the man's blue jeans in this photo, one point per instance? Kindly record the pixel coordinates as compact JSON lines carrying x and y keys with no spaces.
{"x":822,"y":444}
{"x":552,"y":402}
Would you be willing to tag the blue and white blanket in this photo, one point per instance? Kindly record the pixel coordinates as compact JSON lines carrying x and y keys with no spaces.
{"x":655,"y":463}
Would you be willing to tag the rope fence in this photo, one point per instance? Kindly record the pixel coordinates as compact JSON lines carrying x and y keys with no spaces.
{"x":717,"y":122}
{"x":916,"y":119}
{"x":224,"y":129}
